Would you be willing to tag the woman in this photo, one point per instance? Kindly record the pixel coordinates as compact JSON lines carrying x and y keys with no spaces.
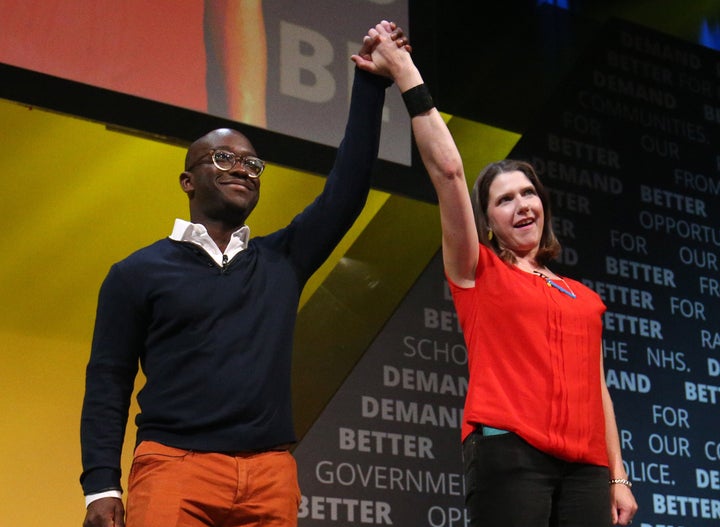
{"x":540,"y":441}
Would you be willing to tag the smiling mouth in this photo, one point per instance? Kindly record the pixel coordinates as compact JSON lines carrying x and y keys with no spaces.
{"x":236,"y":181}
{"x":524,"y":223}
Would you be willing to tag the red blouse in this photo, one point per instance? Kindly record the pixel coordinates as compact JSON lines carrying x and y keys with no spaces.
{"x":534,"y":360}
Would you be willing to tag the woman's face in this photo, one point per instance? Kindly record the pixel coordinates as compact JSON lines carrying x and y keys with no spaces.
{"x":515,"y":213}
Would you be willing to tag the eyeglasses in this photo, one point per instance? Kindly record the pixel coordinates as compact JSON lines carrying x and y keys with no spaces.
{"x":225,"y":161}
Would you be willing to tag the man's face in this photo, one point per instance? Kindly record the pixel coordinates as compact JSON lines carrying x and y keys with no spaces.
{"x":218,"y":195}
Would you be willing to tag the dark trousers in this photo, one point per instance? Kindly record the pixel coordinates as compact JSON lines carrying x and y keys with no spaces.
{"x":510,"y":483}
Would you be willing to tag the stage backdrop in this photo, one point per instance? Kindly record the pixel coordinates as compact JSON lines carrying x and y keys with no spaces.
{"x":628,"y":147}
{"x":278,"y":64}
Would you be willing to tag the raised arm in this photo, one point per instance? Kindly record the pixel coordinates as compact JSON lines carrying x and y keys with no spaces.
{"x":438,"y":152}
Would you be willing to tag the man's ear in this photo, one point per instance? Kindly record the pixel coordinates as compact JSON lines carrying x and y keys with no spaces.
{"x":186,"y":183}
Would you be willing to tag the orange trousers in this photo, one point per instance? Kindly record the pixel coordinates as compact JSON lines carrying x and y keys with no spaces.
{"x":171,"y":487}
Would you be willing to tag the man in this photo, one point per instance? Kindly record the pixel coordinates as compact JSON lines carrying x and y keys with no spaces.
{"x":209,"y":313}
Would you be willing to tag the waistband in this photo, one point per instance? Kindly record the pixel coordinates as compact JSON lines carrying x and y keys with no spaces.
{"x":277,"y":448}
{"x":490,"y":431}
{"x":148,"y":446}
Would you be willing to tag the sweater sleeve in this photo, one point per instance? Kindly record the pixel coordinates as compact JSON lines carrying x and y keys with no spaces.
{"x":319,"y":228}
{"x":109,"y":383}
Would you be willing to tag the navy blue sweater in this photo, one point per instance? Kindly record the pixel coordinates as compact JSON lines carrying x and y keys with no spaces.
{"x":215,"y":343}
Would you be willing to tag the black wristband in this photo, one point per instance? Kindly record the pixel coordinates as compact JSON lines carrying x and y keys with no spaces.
{"x":418,"y":100}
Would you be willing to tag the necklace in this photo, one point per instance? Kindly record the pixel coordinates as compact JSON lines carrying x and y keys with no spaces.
{"x":551,"y":283}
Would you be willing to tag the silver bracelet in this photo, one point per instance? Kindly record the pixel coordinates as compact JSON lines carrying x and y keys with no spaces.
{"x":621,"y":481}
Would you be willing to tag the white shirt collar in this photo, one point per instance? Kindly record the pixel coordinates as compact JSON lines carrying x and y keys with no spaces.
{"x":184,"y":231}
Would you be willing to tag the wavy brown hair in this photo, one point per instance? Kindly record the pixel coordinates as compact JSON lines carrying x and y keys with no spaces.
{"x":549,"y":245}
